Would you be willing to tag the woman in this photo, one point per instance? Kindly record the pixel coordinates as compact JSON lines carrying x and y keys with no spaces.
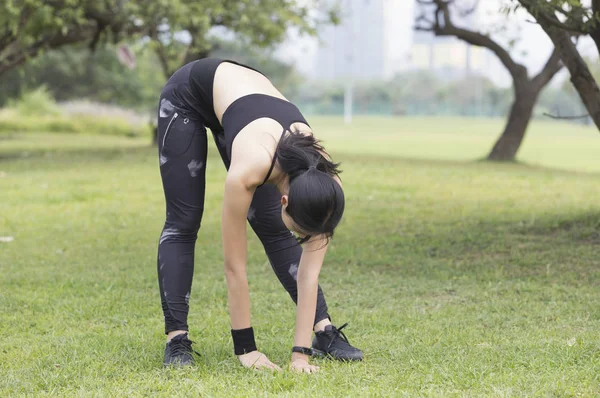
{"x":279,"y":178}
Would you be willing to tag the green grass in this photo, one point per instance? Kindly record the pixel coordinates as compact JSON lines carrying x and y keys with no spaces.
{"x":458,"y":278}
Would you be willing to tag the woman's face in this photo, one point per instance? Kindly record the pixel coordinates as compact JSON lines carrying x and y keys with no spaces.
{"x":288,"y":221}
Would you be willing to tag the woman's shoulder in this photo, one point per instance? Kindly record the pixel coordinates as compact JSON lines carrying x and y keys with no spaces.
{"x":253,"y":149}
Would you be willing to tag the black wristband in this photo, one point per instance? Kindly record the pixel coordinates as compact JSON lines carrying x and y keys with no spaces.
{"x":302,"y":350}
{"x":243,"y":341}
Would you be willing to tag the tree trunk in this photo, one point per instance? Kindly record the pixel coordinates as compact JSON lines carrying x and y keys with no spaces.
{"x":194,"y":55}
{"x":581,"y":77}
{"x":508,"y":144}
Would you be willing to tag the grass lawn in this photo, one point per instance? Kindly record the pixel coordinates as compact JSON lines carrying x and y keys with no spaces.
{"x":457,"y":277}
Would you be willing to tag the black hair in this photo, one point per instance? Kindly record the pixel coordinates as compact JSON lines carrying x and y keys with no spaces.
{"x":315,"y":200}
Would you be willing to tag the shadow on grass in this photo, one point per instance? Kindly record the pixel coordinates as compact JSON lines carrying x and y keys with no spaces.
{"x":583,"y":228}
{"x":77,"y":155}
{"x":519,"y":164}
{"x":516,"y":165}
{"x":66,"y":156}
{"x":485,"y":249}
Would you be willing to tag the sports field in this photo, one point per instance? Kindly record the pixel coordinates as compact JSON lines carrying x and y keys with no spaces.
{"x":457,"y":277}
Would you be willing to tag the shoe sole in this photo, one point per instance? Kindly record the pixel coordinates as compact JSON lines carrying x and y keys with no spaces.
{"x":178,"y":364}
{"x":323,"y":354}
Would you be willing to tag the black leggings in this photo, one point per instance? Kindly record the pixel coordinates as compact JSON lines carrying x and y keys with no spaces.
{"x":182,"y":145}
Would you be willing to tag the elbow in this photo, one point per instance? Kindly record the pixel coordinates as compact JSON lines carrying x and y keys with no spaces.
{"x":234,"y":271}
{"x":308,"y":279}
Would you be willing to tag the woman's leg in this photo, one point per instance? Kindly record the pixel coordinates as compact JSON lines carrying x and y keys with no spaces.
{"x":182,"y":150}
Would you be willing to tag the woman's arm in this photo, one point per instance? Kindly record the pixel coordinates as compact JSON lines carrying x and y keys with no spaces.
{"x":237,"y":199}
{"x":313,"y":255}
{"x":309,"y":268}
{"x":240,"y":185}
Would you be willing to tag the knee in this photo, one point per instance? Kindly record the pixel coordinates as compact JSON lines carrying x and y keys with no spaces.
{"x":182,"y":228}
{"x":278,"y":240}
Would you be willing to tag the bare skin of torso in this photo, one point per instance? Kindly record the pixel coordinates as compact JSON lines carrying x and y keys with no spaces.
{"x":262,"y":135}
{"x":251,"y":156}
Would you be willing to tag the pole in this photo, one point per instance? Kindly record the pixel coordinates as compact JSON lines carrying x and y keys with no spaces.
{"x":350,"y":67}
{"x":348,"y":102}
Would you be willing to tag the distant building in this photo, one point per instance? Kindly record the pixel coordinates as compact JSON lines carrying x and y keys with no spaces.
{"x":449,"y":56}
{"x":376,"y":39}
{"x":371,"y":42}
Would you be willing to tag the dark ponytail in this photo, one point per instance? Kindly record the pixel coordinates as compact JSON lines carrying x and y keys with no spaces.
{"x":315,"y":200}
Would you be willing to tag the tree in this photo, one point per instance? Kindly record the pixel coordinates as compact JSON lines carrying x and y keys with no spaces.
{"x":436,"y":18}
{"x":74,"y":73}
{"x":178,"y":29}
{"x":32,"y":26}
{"x":575,"y":20}
{"x":572,"y":16}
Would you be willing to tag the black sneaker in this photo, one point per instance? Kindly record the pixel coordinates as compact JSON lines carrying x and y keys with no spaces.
{"x":333,"y":342}
{"x":178,"y":351}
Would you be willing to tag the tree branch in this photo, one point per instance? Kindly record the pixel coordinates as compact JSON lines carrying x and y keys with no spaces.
{"x":581,"y":77}
{"x":160,"y":51}
{"x":595,"y":29}
{"x":566,"y":117}
{"x":443,"y":26}
{"x":20,"y":55}
{"x":11,"y":35}
{"x":551,"y":68}
{"x":558,"y":24}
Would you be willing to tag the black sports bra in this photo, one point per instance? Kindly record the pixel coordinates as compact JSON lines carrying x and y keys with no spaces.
{"x":251,"y":107}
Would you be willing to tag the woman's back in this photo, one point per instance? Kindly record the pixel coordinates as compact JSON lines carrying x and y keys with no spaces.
{"x":233,"y":81}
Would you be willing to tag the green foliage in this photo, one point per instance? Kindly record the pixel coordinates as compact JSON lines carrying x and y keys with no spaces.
{"x":410,"y":93}
{"x":38,"y":102}
{"x":572,"y":15}
{"x":76,"y":73}
{"x":457,"y":278}
{"x":31,"y":20}
{"x":32,"y":26}
{"x":255,"y":23}
{"x":179,"y":30}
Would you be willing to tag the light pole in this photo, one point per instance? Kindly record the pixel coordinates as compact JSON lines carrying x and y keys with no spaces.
{"x":350,"y":64}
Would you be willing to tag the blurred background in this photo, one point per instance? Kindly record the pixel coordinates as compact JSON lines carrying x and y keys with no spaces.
{"x":330,"y":57}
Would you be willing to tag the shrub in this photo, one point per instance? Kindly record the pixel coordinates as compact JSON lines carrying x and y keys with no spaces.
{"x":36,"y":111}
{"x":38,"y":102}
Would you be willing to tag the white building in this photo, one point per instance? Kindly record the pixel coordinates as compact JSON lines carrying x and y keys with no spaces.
{"x":372,"y":41}
{"x":449,"y":56}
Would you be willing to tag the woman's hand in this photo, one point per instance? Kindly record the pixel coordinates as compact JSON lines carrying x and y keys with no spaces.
{"x":257,"y":360}
{"x":300,"y":364}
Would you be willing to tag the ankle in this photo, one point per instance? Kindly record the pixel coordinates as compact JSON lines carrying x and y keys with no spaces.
{"x":174,"y":333}
{"x":320,"y":326}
